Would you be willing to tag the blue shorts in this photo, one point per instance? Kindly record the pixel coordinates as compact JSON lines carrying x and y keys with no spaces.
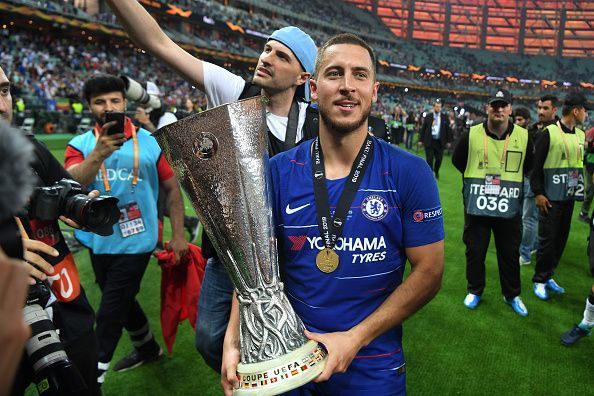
{"x":358,"y":380}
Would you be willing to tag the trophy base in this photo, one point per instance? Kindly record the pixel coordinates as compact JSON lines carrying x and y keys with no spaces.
{"x":282,"y":374}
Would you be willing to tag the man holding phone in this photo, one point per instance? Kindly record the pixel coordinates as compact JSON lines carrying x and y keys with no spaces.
{"x":118,"y":118}
{"x":119,"y":160}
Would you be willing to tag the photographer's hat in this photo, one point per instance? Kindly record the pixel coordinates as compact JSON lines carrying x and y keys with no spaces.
{"x":304,"y":49}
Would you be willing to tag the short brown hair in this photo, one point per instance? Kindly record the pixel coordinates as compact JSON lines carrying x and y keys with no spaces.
{"x":344,"y":38}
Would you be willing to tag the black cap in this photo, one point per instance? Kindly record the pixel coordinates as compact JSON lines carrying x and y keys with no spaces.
{"x":577,"y":99}
{"x":501,"y":95}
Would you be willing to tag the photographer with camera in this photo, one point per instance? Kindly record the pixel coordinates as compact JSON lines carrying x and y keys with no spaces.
{"x":119,"y":160}
{"x":151,"y":112}
{"x":151,"y":115}
{"x":55,"y":364}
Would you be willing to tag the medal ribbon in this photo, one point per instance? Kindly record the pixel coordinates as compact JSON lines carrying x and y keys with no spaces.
{"x":135,"y":174}
{"x":331,"y":228}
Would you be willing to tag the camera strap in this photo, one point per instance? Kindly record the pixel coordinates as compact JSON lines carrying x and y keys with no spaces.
{"x":136,"y":154}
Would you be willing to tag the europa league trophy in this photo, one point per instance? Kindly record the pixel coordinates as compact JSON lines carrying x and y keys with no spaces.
{"x":220,"y":157}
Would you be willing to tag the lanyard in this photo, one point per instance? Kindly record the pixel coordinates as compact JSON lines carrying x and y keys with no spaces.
{"x":292,"y":122}
{"x":486,"y":151}
{"x":331,"y":232}
{"x":578,"y":151}
{"x":19,"y":224}
{"x":135,"y":173}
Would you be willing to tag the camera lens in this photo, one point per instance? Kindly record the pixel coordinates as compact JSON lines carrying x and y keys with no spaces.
{"x":97,"y":214}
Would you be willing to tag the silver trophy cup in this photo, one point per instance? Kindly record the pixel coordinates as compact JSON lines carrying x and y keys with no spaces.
{"x":220,"y":157}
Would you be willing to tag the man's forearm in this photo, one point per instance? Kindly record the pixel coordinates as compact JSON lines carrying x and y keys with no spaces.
{"x":86,"y":171}
{"x":176,"y":212}
{"x":146,"y":33}
{"x":232,"y":333}
{"x":418,"y":289}
{"x":139,"y":24}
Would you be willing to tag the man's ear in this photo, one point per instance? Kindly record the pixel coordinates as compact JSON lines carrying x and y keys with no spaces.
{"x":302,"y":79}
{"x":313,"y":88}
{"x":375,"y":89}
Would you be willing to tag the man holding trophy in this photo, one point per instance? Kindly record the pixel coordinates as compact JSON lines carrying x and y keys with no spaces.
{"x":349,"y":211}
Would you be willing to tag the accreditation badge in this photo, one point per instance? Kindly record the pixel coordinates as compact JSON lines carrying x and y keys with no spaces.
{"x":492,"y":184}
{"x":573,"y":178}
{"x":131,"y":222}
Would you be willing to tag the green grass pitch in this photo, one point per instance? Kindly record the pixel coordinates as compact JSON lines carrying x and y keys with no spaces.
{"x":449,"y":349}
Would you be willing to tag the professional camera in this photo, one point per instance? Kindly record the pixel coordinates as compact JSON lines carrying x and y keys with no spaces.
{"x":66,"y":197}
{"x":137,"y":93}
{"x":54,"y":373}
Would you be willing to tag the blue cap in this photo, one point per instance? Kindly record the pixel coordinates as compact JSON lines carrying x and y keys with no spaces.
{"x":304,"y":49}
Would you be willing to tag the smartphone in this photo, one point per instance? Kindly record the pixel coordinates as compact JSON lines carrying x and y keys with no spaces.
{"x":118,"y":117}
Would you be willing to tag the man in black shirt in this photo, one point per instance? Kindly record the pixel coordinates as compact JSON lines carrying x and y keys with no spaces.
{"x":557,"y":182}
{"x":48,"y":258}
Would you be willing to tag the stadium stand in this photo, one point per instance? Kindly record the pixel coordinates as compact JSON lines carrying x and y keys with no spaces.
{"x":412,"y":72}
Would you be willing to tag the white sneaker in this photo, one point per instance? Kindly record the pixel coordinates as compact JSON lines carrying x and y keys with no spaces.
{"x":517,"y":305}
{"x":471,"y":301}
{"x":524,"y":261}
{"x":540,"y":290}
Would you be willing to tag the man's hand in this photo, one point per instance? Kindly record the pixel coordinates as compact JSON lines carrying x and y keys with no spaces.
{"x":36,"y":266}
{"x":179,"y":247}
{"x":342,"y":348}
{"x":231,"y":356}
{"x":420,"y":143}
{"x":143,"y":118}
{"x":543,"y":203}
{"x":13,"y":330}
{"x":68,"y":221}
{"x":107,"y":144}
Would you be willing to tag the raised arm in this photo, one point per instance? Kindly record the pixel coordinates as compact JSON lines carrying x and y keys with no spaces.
{"x":146,"y":33}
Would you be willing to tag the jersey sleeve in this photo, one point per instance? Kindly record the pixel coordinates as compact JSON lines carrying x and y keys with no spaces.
{"x":220,"y":85}
{"x":422,"y":216}
{"x":72,"y":156}
{"x":164,"y":169}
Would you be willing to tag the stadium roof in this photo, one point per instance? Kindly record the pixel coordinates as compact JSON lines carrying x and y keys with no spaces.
{"x":536,"y":27}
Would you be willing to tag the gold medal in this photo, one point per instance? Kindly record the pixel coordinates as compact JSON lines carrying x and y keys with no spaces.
{"x":327,"y":260}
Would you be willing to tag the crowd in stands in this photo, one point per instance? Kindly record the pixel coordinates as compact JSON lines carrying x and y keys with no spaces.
{"x":36,"y":76}
{"x":45,"y":72}
{"x":323,"y":19}
{"x":268,"y":15}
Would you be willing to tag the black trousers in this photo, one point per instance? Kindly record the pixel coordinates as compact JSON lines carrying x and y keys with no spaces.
{"x":119,"y":277}
{"x":82,"y":352}
{"x":434,"y":155}
{"x":553,"y":231}
{"x":508,"y":235}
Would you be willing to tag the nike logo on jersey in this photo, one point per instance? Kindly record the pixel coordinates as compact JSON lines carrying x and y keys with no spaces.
{"x":290,"y":210}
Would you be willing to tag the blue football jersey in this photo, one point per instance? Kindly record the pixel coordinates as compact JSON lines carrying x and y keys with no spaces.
{"x":396,"y":206}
